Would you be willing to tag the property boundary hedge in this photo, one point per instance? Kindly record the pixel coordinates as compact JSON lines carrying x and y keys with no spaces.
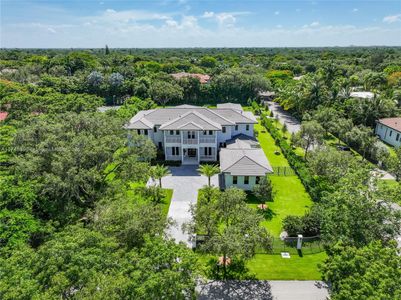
{"x":313,"y":184}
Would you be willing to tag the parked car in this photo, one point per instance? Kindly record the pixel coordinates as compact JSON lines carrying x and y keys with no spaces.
{"x":343,"y":148}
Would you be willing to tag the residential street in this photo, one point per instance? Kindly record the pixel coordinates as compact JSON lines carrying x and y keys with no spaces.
{"x":185,"y":181}
{"x":263,"y":290}
{"x":293,"y":126}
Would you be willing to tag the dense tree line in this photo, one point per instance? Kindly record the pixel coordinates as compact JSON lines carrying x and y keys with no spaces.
{"x":74,"y":223}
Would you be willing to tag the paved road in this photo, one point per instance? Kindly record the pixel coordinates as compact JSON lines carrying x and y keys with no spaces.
{"x":185,"y":181}
{"x":263,"y":290}
{"x":293,"y":125}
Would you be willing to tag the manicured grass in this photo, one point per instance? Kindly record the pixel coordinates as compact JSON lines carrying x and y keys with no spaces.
{"x":290,"y":196}
{"x":267,"y":143}
{"x":273,"y":267}
{"x":165,"y":205}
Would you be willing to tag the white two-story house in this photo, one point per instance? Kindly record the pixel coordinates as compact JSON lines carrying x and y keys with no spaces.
{"x":193,"y":134}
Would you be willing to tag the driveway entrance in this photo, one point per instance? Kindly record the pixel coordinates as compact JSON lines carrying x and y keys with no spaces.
{"x":185,"y":181}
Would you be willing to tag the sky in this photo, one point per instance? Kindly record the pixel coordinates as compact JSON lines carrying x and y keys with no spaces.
{"x":206,"y":23}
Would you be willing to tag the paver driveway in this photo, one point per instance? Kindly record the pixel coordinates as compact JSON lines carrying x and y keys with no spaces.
{"x":185,"y":181}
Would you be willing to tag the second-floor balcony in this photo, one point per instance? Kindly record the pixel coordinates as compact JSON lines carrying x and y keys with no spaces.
{"x":189,"y":141}
{"x":173,"y":139}
{"x":207,"y":140}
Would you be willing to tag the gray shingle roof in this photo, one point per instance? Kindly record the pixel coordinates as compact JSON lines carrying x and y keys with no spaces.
{"x":244,"y":162}
{"x":230,"y":105}
{"x":242,"y":141}
{"x":191,"y":120}
{"x":223,"y":117}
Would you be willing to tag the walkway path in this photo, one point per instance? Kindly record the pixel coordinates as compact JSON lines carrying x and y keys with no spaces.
{"x":266,"y":290}
{"x":185,"y":181}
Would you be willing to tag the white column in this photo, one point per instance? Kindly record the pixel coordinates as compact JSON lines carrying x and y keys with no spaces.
{"x":182,"y":148}
{"x":164,"y":145}
{"x":197,"y":146}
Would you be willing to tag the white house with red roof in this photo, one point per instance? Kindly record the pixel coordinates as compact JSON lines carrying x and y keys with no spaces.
{"x":389,"y":130}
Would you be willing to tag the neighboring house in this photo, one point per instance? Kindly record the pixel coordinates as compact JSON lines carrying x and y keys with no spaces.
{"x":203,"y":78}
{"x":193,"y":134}
{"x":389,"y":131}
{"x":243,"y":162}
{"x":266,"y":96}
{"x":362,"y":95}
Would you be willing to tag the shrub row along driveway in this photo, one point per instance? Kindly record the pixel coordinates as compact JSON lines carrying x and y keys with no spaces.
{"x":185,"y":181}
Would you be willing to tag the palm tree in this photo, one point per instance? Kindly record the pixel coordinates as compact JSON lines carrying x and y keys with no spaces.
{"x":209,"y":171}
{"x":158,"y":172}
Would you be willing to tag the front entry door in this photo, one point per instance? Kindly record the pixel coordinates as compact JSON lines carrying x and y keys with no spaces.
{"x":192,"y":152}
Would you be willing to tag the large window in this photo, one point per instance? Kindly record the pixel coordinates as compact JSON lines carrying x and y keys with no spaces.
{"x":138,"y":131}
{"x":246,"y":180}
{"x":236,"y":127}
{"x":398,"y":137}
{"x":176,"y":151}
{"x":235,"y":179}
{"x":145,"y":132}
{"x":223,"y":129}
{"x":208,"y":151}
{"x":155,"y":129}
{"x":247,"y":127}
{"x":210,"y":132}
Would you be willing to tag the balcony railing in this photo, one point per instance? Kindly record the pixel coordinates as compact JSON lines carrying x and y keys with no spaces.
{"x":173,"y":139}
{"x":207,"y":140}
{"x":207,"y":157}
{"x":190,"y":141}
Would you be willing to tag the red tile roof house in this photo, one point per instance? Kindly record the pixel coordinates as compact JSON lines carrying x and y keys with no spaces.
{"x":389,"y":130}
{"x":3,"y":115}
{"x":203,"y":78}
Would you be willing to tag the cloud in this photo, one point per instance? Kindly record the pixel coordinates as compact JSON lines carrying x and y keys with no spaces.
{"x":224,"y":18}
{"x":355,"y":10}
{"x":313,"y":24}
{"x":139,"y":28}
{"x":51,"y":30}
{"x":392,"y":19}
{"x":277,"y":13}
{"x":124,"y":16}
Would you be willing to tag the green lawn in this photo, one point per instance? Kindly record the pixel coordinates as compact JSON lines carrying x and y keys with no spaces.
{"x":290,"y":196}
{"x":166,"y":201}
{"x":274,"y":267}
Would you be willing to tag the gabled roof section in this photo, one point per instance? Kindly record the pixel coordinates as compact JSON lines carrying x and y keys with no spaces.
{"x":230,"y":105}
{"x":194,"y":118}
{"x":242,"y":141}
{"x":241,"y":162}
{"x":191,"y":126}
{"x":139,"y":121}
{"x":235,"y":116}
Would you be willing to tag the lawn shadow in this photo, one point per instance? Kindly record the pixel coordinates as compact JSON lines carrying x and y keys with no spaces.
{"x":235,"y":290}
{"x":267,"y":214}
